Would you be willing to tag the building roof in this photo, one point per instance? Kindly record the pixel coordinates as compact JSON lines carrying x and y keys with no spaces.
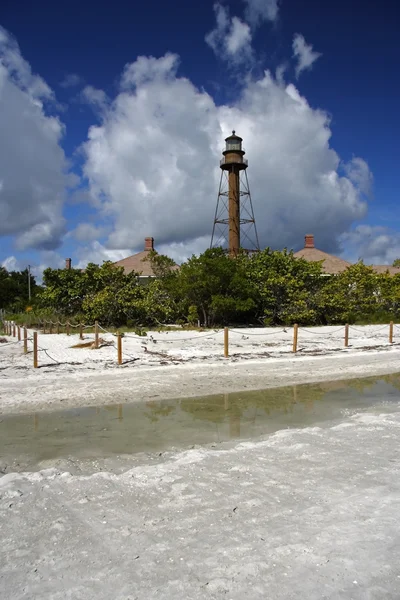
{"x":386,"y":269}
{"x":331,"y":265}
{"x":138,"y":262}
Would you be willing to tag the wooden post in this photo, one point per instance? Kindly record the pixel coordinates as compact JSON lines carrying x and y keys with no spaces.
{"x":14,"y":333}
{"x":96,"y":334}
{"x":80,"y":331}
{"x":67,"y":327}
{"x":25,"y":340}
{"x":346,"y":335}
{"x":226,"y":342}
{"x":58,"y":326}
{"x":51,"y":327}
{"x":391,"y":332}
{"x":119,"y":347}
{"x":295,"y":336}
{"x":19,"y":333}
{"x":35,"y":350}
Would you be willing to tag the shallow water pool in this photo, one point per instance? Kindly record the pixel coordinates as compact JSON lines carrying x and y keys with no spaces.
{"x":112,"y":437}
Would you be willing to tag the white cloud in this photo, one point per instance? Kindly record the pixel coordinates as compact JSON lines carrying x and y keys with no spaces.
{"x":149,"y":68}
{"x":259,"y":11}
{"x":377,"y":245}
{"x":11,"y":263}
{"x":304,"y":54}
{"x":98,"y":99}
{"x":358,"y":172}
{"x":32,"y":162}
{"x":239,"y":37}
{"x":152,"y":163}
{"x":87,"y":232}
{"x":97,"y":253}
{"x":46,"y":259}
{"x":231,"y":38}
{"x":19,"y":70}
{"x":71,"y":80}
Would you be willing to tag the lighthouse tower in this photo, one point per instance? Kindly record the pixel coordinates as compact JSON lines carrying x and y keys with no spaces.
{"x":234,"y":223}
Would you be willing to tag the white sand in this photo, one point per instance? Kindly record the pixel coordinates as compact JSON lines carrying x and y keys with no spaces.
{"x":310,"y":513}
{"x":184,"y":364}
{"x":305,"y":514}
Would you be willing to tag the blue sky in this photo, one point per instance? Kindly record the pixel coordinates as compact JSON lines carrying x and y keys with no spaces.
{"x":142,"y":145}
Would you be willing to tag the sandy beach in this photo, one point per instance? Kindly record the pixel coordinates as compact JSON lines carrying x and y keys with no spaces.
{"x":300,"y":513}
{"x":309,"y":513}
{"x":185,"y":364}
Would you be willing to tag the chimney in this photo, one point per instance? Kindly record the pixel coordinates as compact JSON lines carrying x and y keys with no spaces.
{"x":68,"y":263}
{"x":309,"y":241}
{"x":149,"y":243}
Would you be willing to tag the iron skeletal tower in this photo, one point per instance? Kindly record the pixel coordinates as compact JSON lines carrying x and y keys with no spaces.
{"x":234,"y":223}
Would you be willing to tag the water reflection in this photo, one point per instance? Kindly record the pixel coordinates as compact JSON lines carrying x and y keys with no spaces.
{"x":154,"y":426}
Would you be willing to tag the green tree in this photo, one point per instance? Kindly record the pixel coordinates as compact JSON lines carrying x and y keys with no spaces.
{"x":217,"y":286}
{"x":286,"y":287}
{"x":14,"y":289}
{"x":396,"y":262}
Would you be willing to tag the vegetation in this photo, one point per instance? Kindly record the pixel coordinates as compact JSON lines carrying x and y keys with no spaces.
{"x":266,"y":288}
{"x":14,"y":289}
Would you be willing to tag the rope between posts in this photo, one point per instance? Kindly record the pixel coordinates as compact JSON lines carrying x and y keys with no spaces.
{"x":105,"y":330}
{"x":265,"y":333}
{"x":143,"y":338}
{"x":9,"y":344}
{"x":326,"y":334}
{"x":47,"y":354}
{"x":129,"y":356}
{"x":371,"y":333}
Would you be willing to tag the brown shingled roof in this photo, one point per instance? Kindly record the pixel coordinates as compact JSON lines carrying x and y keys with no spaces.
{"x":138,"y":263}
{"x":386,"y":268}
{"x":331,"y":265}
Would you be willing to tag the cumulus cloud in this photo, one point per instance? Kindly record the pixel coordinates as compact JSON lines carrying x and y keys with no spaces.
{"x":45,"y":260}
{"x":358,"y":172}
{"x":304,"y":54}
{"x":71,"y":80}
{"x":32,"y":163}
{"x":97,"y":253}
{"x":19,"y":70}
{"x":376,"y":245}
{"x":152,"y":163}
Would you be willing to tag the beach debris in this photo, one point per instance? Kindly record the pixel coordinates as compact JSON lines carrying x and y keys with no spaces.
{"x":92,"y":344}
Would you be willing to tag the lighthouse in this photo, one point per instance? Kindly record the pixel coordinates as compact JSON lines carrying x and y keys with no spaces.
{"x":234,"y":224}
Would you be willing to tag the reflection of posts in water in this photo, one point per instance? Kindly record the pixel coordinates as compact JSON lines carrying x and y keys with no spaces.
{"x":35,"y":422}
{"x":295,"y":394}
{"x":234,"y":425}
{"x":120,"y":412}
{"x":97,"y":410}
{"x":226,"y":401}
